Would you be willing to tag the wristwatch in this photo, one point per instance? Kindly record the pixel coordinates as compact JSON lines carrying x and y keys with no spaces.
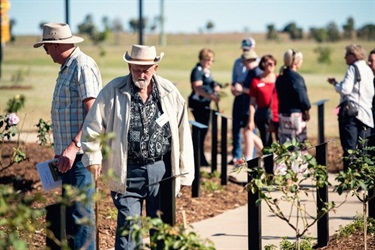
{"x":77,"y":143}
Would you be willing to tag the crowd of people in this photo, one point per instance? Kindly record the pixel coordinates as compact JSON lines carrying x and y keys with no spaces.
{"x":149,"y":118}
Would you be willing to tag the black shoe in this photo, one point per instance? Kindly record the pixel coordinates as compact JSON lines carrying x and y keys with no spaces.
{"x":231,"y":162}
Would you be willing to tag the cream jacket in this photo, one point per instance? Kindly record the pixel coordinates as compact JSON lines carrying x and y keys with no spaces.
{"x":111,"y":114}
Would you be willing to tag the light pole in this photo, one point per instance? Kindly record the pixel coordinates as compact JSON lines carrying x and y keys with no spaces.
{"x":67,"y":11}
{"x":140,"y":23}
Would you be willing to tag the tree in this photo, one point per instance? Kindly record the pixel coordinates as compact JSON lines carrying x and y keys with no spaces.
{"x":271,"y":32}
{"x":117,"y":26}
{"x":294,"y":32}
{"x":210,"y":26}
{"x":12,"y":23}
{"x":88,"y":27}
{"x":349,"y":29}
{"x":324,"y":54}
{"x":134,"y":24}
{"x":367,"y":32}
{"x":333,"y":33}
{"x":318,"y":34}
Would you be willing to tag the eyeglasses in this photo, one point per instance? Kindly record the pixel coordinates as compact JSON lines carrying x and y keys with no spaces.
{"x":270,"y":64}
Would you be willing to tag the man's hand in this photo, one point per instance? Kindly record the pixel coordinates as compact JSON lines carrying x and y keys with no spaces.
{"x":66,"y":159}
{"x":95,"y":170}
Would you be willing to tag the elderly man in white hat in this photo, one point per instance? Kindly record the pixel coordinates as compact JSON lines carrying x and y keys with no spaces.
{"x":77,"y":85}
{"x":152,"y":141}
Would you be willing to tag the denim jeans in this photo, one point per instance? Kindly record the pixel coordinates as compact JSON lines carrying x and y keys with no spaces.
{"x":137,"y":191}
{"x":80,"y":236}
{"x":350,"y":130}
{"x":240,"y":118}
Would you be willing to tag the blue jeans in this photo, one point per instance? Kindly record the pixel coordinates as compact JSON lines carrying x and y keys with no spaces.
{"x":130,"y":204}
{"x":80,"y":236}
{"x":350,"y":130}
{"x":240,"y":118}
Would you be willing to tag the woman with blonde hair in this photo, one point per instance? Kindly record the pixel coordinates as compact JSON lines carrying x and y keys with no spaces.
{"x":356,"y":90}
{"x":294,"y":104}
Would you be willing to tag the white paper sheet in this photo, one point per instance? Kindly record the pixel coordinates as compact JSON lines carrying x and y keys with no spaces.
{"x":49,"y":174}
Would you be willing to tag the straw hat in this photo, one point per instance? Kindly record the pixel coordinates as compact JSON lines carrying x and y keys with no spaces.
{"x":57,"y":33}
{"x":142,"y":55}
{"x":250,"y":54}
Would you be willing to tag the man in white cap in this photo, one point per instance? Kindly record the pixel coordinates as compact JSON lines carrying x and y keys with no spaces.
{"x":152,"y":143}
{"x":77,"y":85}
{"x":240,"y":89}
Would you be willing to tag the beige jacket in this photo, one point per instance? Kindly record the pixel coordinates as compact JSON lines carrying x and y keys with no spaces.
{"x":111,"y":114}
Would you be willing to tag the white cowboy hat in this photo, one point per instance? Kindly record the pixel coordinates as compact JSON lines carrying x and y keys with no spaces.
{"x":57,"y":33}
{"x":142,"y":55}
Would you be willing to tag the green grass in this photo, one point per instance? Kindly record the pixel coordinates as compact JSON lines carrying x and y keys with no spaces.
{"x":181,"y":55}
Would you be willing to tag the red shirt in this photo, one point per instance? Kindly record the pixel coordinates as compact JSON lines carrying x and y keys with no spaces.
{"x":265,"y":93}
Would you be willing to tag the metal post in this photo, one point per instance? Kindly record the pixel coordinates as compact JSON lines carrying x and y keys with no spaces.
{"x":213,"y":140}
{"x":197,"y":158}
{"x":320,"y":105}
{"x":254,"y":214}
{"x":371,"y":203}
{"x":67,"y":11}
{"x":322,"y":198}
{"x":268,"y":163}
{"x":224,"y":150}
{"x":55,"y":218}
{"x":140,"y":23}
{"x":162,"y":40}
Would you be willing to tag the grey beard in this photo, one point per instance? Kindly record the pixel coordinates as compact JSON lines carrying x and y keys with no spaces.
{"x":140,"y":83}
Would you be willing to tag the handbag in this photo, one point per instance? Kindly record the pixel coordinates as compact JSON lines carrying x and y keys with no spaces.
{"x":349,"y":107}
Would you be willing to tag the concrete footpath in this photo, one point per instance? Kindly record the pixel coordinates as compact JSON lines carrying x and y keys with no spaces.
{"x":229,"y":230}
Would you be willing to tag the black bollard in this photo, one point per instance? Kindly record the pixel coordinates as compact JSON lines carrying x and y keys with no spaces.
{"x":224,"y":150}
{"x":197,"y":158}
{"x":213,"y":140}
{"x":371,"y":203}
{"x":268,"y":163}
{"x":322,"y":197}
{"x":55,"y":218}
{"x":320,"y":105}
{"x":254,"y":214}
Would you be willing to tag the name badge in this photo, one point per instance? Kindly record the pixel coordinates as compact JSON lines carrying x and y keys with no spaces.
{"x":163,"y":119}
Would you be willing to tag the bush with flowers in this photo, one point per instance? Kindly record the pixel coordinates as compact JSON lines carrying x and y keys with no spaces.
{"x":8,"y":129}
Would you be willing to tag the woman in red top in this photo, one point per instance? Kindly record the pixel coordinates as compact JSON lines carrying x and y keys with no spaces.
{"x":263,"y":101}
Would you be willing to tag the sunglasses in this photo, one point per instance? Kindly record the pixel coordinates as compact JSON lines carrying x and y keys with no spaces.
{"x":270,"y":64}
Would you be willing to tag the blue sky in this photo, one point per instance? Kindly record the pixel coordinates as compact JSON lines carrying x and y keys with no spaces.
{"x":189,"y":16}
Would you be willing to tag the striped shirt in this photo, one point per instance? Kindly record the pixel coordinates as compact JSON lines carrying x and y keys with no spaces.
{"x":79,"y":78}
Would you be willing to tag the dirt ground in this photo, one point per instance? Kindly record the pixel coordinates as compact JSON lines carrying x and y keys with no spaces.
{"x":24,"y":177}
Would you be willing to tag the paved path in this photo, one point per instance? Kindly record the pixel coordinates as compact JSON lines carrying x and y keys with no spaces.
{"x":229,"y":230}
